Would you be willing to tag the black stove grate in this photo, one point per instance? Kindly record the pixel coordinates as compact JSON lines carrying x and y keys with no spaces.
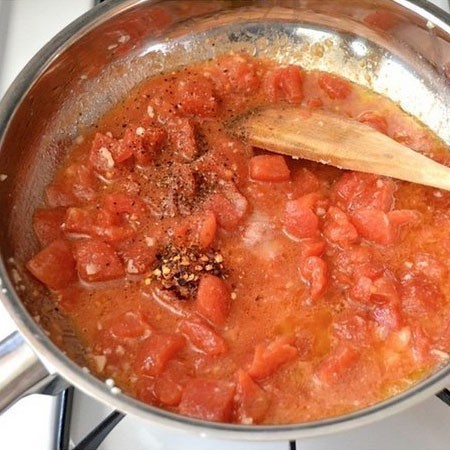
{"x":444,"y":395}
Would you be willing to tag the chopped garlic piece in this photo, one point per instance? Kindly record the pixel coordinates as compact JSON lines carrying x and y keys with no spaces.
{"x":107,"y":157}
{"x":100,"y":362}
{"x":92,"y":269}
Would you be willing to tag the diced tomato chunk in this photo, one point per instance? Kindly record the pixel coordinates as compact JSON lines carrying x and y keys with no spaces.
{"x":128,"y":325}
{"x":420,"y":295}
{"x":213,"y":299}
{"x":195,"y":96}
{"x":153,"y":140}
{"x":143,"y":142}
{"x":145,"y":390}
{"x":355,"y":256}
{"x":361,"y":290}
{"x":267,"y":359}
{"x":123,"y":150}
{"x":291,"y":83}
{"x":82,"y":181}
{"x":373,"y":269}
{"x":300,"y":221}
{"x":203,"y":337}
{"x":311,"y":247}
{"x":334,"y":366}
{"x":313,"y":201}
{"x":269,"y":168}
{"x":285,"y":83}
{"x":400,"y":217}
{"x":380,"y":290}
{"x":77,"y":183}
{"x":105,"y":218}
{"x":335,"y":87}
{"x":54,"y":265}
{"x":227,"y":158}
{"x":305,"y":182}
{"x":236,"y":74}
{"x":113,"y":233}
{"x":168,"y":391}
{"x":59,"y":194}
{"x":352,"y":326}
{"x":161,"y":108}
{"x":338,"y":228}
{"x":357,"y":262}
{"x":156,"y":351}
{"x":236,"y":199}
{"x":182,"y":137}
{"x":120,"y":203}
{"x":208,"y":400}
{"x":102,"y":150}
{"x":375,"y":120}
{"x":79,"y":220}
{"x":380,"y":194}
{"x":253,"y":400}
{"x":314,"y":271}
{"x":379,"y":227}
{"x":199,"y":229}
{"x":108,"y":222}
{"x":97,"y":261}
{"x":229,"y":208}
{"x":47,"y":224}
{"x":169,"y":386}
{"x":206,"y":229}
{"x":356,"y":190}
{"x":373,"y":225}
{"x":136,"y":255}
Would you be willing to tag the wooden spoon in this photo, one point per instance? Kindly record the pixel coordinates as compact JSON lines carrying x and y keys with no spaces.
{"x":341,"y":142}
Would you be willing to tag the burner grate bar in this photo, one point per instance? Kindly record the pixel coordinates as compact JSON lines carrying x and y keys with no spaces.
{"x":93,"y":440}
{"x":444,"y":395}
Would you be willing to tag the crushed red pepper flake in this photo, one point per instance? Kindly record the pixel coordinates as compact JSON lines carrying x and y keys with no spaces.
{"x":179,"y":269}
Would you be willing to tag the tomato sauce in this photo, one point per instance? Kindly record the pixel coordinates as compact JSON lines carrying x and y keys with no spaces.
{"x":222,"y":282}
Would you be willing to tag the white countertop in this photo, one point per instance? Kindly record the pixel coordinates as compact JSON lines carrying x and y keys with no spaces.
{"x":25,"y":26}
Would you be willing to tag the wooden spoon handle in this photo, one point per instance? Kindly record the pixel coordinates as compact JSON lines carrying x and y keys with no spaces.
{"x":338,"y":141}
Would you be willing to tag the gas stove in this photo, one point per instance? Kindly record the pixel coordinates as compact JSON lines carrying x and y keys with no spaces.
{"x":34,"y":422}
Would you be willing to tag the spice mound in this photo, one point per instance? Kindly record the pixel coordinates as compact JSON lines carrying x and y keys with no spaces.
{"x":179,"y":269}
